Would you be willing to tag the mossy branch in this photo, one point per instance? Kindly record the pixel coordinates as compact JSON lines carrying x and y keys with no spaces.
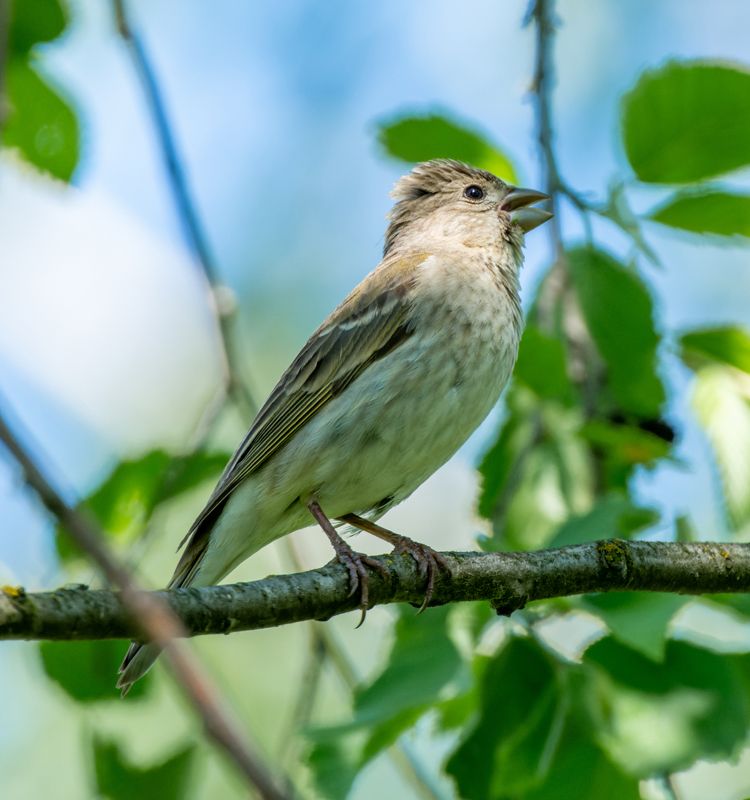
{"x":508,"y":580}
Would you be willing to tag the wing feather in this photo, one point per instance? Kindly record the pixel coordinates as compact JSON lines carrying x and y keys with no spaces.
{"x":371,"y":322}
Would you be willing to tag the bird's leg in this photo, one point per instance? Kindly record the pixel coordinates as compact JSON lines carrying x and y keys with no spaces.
{"x":428,"y":560}
{"x":356,"y":563}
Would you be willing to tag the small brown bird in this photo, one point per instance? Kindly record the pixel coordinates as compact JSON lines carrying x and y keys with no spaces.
{"x":385,"y":391}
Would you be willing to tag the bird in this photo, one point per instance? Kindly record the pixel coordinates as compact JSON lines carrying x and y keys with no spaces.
{"x":384,"y":392}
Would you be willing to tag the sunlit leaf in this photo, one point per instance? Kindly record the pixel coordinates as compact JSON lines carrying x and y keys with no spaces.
{"x":637,"y":619}
{"x":415,"y":138}
{"x":40,"y":124}
{"x":726,"y":345}
{"x":34,"y":22}
{"x":708,"y":211}
{"x":688,"y":120}
{"x":118,"y":779}
{"x":508,"y":750}
{"x":721,"y":399}
{"x":656,"y":718}
{"x":87,"y":671}
{"x":618,"y":311}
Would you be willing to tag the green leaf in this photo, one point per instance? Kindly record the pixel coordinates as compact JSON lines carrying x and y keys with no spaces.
{"x":727,"y":345}
{"x":537,"y":473}
{"x":655,"y":718}
{"x":86,"y":671}
{"x":118,"y":779}
{"x":613,"y":516}
{"x":542,"y":365}
{"x":582,"y":771}
{"x":40,"y":123}
{"x":508,"y":750}
{"x":126,"y":499}
{"x":618,"y":311}
{"x":637,"y":619}
{"x":721,"y":399}
{"x":423,"y":660}
{"x":708,"y":211}
{"x":415,"y":138}
{"x":334,"y":765}
{"x":687,"y":121}
{"x":34,"y":22}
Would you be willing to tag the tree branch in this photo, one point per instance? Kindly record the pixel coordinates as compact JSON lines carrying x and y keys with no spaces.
{"x":185,"y":207}
{"x":147,"y":614}
{"x":509,"y":580}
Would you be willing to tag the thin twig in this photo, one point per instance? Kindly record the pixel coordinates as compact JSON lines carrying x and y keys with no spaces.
{"x":509,"y":579}
{"x":151,"y":616}
{"x":185,"y":206}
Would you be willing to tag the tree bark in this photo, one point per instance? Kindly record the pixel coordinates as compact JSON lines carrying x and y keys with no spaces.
{"x":508,"y":580}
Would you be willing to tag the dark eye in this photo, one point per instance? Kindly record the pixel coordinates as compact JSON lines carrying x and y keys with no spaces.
{"x":474,"y":192}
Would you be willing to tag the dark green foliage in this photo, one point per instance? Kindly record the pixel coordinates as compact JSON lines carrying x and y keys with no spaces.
{"x":118,"y":779}
{"x":86,"y":671}
{"x":618,"y":311}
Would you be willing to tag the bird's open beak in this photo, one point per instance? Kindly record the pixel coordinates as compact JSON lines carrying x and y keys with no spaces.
{"x":517,"y":203}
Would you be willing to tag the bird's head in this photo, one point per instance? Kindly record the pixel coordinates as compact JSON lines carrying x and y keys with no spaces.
{"x":448,"y":199}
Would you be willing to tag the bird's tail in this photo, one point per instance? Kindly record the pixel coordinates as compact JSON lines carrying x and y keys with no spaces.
{"x":139,"y":657}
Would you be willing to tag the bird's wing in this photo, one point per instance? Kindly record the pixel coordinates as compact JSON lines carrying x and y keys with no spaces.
{"x":372,"y":321}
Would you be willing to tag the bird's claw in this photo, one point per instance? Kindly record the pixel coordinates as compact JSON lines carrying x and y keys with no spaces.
{"x":429,"y":563}
{"x":359,"y":577}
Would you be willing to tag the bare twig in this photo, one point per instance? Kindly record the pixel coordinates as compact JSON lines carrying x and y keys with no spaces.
{"x":185,"y":206}
{"x":509,"y":580}
{"x":148,"y":614}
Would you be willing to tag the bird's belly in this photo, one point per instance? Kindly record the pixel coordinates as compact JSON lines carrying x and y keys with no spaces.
{"x":395,"y":425}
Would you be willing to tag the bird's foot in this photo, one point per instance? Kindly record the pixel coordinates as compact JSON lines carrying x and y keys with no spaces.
{"x":359,"y":577}
{"x":429,"y":562}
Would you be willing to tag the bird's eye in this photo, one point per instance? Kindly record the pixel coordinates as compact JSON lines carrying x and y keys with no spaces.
{"x":473,"y":192}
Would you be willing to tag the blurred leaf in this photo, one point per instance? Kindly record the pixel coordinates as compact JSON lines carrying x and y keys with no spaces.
{"x":541,"y":365}
{"x":618,"y":312}
{"x":519,"y":433}
{"x":118,"y":779}
{"x":708,"y":211}
{"x":415,"y":138}
{"x":637,"y":619}
{"x":582,"y":771}
{"x":726,"y":345}
{"x":40,"y":123}
{"x":85,"y":670}
{"x":613,"y":516}
{"x":422,"y":660}
{"x":508,"y":750}
{"x":687,"y":120}
{"x":127,"y":498}
{"x":621,"y":447}
{"x":334,"y":765}
{"x":655,"y":718}
{"x":34,"y":22}
{"x":721,"y":399}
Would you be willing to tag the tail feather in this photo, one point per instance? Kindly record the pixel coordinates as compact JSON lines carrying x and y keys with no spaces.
{"x":139,"y":657}
{"x":137,"y":662}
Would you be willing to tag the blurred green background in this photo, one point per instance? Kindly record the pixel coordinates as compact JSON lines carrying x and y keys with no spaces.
{"x":293,"y":121}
